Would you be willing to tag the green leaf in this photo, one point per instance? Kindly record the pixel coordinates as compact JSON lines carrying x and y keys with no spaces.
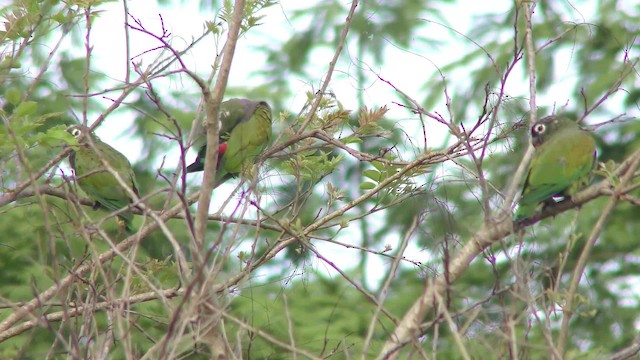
{"x":378,"y":165}
{"x":373,"y":175}
{"x":26,"y":108}
{"x":367,"y":185}
{"x":59,"y":17}
{"x":351,"y":140}
{"x":13,"y":96}
{"x":55,"y":135}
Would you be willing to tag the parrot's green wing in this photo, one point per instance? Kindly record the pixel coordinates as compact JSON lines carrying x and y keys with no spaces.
{"x":564,"y":160}
{"x":98,"y":183}
{"x":245,"y":130}
{"x":247,"y":140}
{"x":232,"y":112}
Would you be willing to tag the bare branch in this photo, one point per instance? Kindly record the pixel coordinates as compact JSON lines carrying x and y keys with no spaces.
{"x":584,"y":255}
{"x":486,"y":236}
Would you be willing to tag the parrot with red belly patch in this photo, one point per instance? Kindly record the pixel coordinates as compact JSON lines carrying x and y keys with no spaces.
{"x":245,"y":130}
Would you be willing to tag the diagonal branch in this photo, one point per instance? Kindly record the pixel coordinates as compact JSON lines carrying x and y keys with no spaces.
{"x":409,"y":326}
{"x":212,"y":104}
{"x":584,"y":255}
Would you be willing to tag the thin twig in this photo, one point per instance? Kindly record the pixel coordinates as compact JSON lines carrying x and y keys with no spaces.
{"x":213,"y":100}
{"x":332,"y":65}
{"x":384,"y":290}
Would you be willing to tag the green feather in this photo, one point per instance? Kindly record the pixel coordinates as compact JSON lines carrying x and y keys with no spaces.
{"x":245,"y":127}
{"x":247,"y":140}
{"x":563,"y":159}
{"x":94,"y":178}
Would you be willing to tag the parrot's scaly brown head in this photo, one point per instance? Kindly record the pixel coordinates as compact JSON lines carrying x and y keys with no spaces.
{"x":546,"y":127}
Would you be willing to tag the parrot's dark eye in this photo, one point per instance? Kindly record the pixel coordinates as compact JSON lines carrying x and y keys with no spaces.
{"x":76,"y":133}
{"x":538,"y":129}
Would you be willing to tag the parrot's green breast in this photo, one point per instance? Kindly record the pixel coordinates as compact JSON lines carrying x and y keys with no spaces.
{"x":98,"y":183}
{"x":247,"y":140}
{"x":559,"y":167}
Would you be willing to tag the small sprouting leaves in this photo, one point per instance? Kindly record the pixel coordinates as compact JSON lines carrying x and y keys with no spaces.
{"x":607,"y":170}
{"x":17,"y":25}
{"x":250,"y":19}
{"x":86,"y":4}
{"x":213,"y":27}
{"x":311,"y":165}
{"x":335,"y":194}
{"x":383,"y":171}
{"x":331,"y":121}
{"x":369,"y":119}
{"x":330,"y":115}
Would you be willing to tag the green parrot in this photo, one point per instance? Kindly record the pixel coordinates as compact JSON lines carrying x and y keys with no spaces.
{"x":563,"y":159}
{"x":96,"y":181}
{"x":245,"y":130}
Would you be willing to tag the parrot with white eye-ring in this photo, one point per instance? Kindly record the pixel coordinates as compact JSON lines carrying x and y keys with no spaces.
{"x":245,"y":131}
{"x":564,"y":157}
{"x":94,"y":178}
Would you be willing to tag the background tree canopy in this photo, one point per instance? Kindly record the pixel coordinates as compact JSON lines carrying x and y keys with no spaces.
{"x":377,"y":223}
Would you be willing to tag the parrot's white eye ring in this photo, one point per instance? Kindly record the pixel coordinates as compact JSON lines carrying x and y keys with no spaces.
{"x":539,"y":128}
{"x":76,"y":133}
